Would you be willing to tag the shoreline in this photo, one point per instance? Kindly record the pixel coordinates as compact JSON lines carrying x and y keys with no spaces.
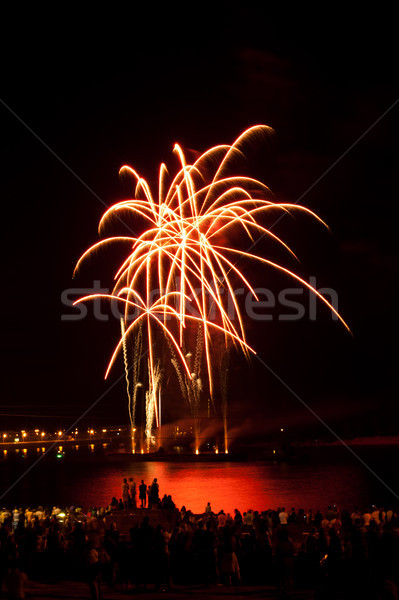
{"x":378,"y":440}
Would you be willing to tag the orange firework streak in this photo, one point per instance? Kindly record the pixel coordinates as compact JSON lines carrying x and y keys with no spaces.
{"x":177,"y":254}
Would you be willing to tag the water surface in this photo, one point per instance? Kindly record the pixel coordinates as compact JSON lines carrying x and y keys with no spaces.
{"x":87,"y":477}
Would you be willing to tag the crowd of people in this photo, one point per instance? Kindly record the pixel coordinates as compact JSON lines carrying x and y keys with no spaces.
{"x":335,"y":552}
{"x":148,"y":496}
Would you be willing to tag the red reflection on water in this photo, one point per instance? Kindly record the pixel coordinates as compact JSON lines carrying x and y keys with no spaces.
{"x":329,"y":476}
{"x":242,"y":485}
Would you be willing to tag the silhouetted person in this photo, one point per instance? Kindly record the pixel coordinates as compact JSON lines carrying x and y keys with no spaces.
{"x":154,"y":494}
{"x":284,"y":564}
{"x":125,"y":494}
{"x":144,"y":564}
{"x":93,"y":571}
{"x":143,"y":494}
{"x":229,"y":567}
{"x":132,"y":493}
{"x":161,"y":562}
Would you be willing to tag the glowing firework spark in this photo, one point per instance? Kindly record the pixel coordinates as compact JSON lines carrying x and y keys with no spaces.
{"x":183,"y":269}
{"x":126,"y":364}
{"x":151,"y":406}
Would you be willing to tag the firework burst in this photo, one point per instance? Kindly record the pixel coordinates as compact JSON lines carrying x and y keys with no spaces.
{"x":182,"y":271}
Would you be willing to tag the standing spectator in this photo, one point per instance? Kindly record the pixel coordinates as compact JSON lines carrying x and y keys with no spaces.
{"x":229,"y":567}
{"x":292,"y":517}
{"x":144,"y":546}
{"x":132,"y":493}
{"x":143,"y":494}
{"x":317,"y":519}
{"x":312,"y":558}
{"x":334,"y":563}
{"x":237,"y":517}
{"x":356,"y":515}
{"x":309,"y":517}
{"x":222,"y":520}
{"x":15,"y":518}
{"x":160,"y":558}
{"x":283,"y":517}
{"x":330,"y":513}
{"x":366,"y":518}
{"x":209,"y":547}
{"x":375,"y":515}
{"x":154,"y":494}
{"x":93,"y":571}
{"x":78,"y":539}
{"x":248,"y":518}
{"x":284,"y":563}
{"x":125,"y":494}
{"x":28,"y":516}
{"x":39,"y":514}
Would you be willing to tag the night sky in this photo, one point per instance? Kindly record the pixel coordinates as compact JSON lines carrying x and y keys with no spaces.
{"x":103,"y":89}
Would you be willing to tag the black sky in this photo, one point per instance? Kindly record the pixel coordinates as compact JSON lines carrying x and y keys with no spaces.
{"x":121,"y":86}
